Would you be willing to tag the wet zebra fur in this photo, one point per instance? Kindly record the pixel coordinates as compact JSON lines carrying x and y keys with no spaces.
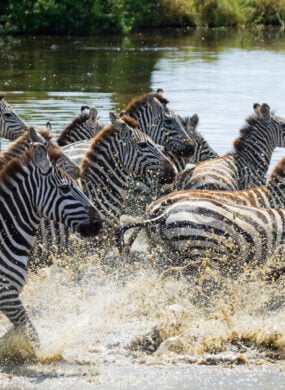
{"x":30,"y":187}
{"x":229,"y":236}
{"x":160,"y":123}
{"x":83,"y":127}
{"x":270,"y":195}
{"x":247,"y":165}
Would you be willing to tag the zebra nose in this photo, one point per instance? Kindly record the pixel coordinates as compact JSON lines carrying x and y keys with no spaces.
{"x":188,"y":149}
{"x":94,"y":226}
{"x":169,"y":173}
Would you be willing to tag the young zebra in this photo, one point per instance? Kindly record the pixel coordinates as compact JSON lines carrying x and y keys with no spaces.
{"x":30,"y":187}
{"x":26,"y":140}
{"x":83,"y":127}
{"x":11,"y":126}
{"x":231,"y":236}
{"x":247,"y":165}
{"x":160,"y":123}
{"x":270,"y":195}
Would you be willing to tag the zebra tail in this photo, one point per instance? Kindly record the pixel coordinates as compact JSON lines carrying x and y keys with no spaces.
{"x":122,"y":229}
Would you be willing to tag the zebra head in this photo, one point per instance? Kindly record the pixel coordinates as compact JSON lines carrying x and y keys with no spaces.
{"x":274,"y":125}
{"x":142,"y":157}
{"x":59,"y":198}
{"x":202,"y":150}
{"x":161,"y":123}
{"x":11,"y":126}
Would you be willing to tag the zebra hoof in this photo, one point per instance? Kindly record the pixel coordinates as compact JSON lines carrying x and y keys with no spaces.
{"x":17,"y":345}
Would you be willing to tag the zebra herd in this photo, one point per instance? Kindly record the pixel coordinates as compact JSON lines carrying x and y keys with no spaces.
{"x":222,"y":209}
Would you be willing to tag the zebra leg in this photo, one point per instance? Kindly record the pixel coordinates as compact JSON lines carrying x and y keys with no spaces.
{"x":11,"y":305}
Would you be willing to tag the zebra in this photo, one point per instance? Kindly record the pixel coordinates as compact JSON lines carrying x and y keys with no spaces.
{"x":11,"y":126}
{"x":247,"y":165}
{"x":44,"y":136}
{"x":83,"y":127}
{"x":160,"y":123}
{"x":232,"y":236}
{"x":114,"y":154}
{"x":201,"y":149}
{"x":269,"y":195}
{"x":30,"y":187}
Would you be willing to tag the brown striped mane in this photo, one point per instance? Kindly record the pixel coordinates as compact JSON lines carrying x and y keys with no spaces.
{"x":136,"y":102}
{"x":15,"y":163}
{"x":132,"y":122}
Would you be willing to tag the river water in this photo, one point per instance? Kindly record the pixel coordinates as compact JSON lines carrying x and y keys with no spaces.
{"x":132,"y":328}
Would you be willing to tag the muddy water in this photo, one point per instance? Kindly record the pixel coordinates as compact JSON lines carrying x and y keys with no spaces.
{"x":132,"y":326}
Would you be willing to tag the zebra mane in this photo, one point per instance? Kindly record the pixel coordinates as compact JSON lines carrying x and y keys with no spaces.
{"x":262,"y":112}
{"x":16,"y":163}
{"x":278,"y":171}
{"x":130,"y":121}
{"x":76,"y":121}
{"x":45,"y":133}
{"x":2,"y":95}
{"x":136,"y":102}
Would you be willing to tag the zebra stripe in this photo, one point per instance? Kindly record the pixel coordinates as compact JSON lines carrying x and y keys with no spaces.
{"x":246,"y":167}
{"x":44,"y":136}
{"x":30,"y":186}
{"x":11,"y":126}
{"x":83,"y":127}
{"x":270,"y":195}
{"x":233,"y":236}
{"x":160,"y":123}
{"x":201,"y":149}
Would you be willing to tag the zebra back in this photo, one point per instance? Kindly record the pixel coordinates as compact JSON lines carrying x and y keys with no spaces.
{"x":270,"y":195}
{"x":83,"y":127}
{"x":233,"y":237}
{"x":247,"y":165}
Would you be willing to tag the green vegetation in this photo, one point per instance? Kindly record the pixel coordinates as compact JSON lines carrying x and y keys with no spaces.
{"x":92,"y":17}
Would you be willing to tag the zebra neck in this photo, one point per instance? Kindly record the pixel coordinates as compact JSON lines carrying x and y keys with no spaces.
{"x":105,"y":182}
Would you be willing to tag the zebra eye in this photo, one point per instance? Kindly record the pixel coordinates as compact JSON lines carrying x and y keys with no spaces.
{"x":65,"y":189}
{"x":8,"y":114}
{"x":143,"y":145}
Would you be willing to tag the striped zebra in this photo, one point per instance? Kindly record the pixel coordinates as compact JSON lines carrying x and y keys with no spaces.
{"x":83,"y":127}
{"x":269,"y":195}
{"x":44,"y":136}
{"x":160,"y":123}
{"x":30,"y":187}
{"x":115,"y":153}
{"x":11,"y":126}
{"x":230,"y":236}
{"x":247,"y":165}
{"x":201,"y":149}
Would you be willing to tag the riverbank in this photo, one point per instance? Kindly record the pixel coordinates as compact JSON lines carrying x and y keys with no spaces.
{"x":125,"y":16}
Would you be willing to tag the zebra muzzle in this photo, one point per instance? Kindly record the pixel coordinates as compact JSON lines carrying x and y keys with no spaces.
{"x":93,"y":227}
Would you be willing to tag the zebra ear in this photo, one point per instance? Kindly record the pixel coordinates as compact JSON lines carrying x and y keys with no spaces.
{"x":193,"y":121}
{"x":41,"y":158}
{"x":112,"y":117}
{"x":92,"y":116}
{"x":265,"y":111}
{"x":35,"y":136}
{"x":48,"y":126}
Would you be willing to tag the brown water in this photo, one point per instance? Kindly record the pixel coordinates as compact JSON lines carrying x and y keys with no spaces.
{"x":131,"y":327}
